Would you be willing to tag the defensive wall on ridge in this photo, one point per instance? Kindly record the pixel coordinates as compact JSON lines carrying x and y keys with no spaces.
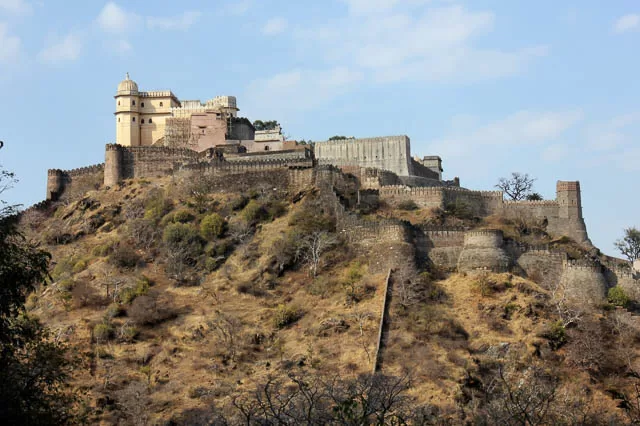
{"x":61,"y":184}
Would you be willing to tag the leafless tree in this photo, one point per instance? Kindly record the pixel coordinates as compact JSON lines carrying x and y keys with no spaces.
{"x":568,"y":311}
{"x":314,"y":246}
{"x":362,"y":318}
{"x":517,"y":187}
{"x":228,"y":330}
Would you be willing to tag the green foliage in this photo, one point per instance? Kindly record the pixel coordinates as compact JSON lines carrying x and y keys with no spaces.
{"x":212,"y":226}
{"x":265,"y":125}
{"x":141,"y":288}
{"x":63,"y":268}
{"x":459,"y":209}
{"x":178,"y":216}
{"x":102,"y":332}
{"x":285,"y":315}
{"x":176,"y":234}
{"x":124,"y":256}
{"x":556,"y":335}
{"x":408,"y":205}
{"x":103,"y":250}
{"x":629,"y":245}
{"x":114,"y":310}
{"x":339,"y":137}
{"x":79,"y":266}
{"x":128,"y":333}
{"x":534,"y":196}
{"x":617,"y":297}
{"x":254,"y":212}
{"x":238,"y":203}
{"x":156,"y":206}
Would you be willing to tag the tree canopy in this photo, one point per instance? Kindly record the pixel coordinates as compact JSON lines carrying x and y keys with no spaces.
{"x":265,"y":125}
{"x":629,"y":245}
{"x":518,"y":187}
{"x":33,"y":366}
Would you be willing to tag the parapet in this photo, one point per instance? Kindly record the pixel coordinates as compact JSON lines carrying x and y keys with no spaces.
{"x":567,"y":186}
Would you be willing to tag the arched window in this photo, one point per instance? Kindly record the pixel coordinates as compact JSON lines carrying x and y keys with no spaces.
{"x":150,"y":121}
{"x":161,"y":104}
{"x":266,"y":147}
{"x":142,"y":121}
{"x":133,"y":119}
{"x":133,"y":103}
{"x":118,"y":103}
{"x":142,"y":104}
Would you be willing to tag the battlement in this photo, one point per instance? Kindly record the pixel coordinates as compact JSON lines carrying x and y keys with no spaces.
{"x":510,"y":204}
{"x":567,"y":186}
{"x":85,"y":170}
{"x":582,"y":264}
{"x":486,"y":233}
{"x":157,"y":94}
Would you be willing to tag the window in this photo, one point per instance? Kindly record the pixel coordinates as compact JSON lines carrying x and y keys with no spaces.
{"x":133,"y":119}
{"x":161,"y":104}
{"x":142,"y":121}
{"x":142,"y":104}
{"x":118,"y":119}
{"x":118,"y":103}
{"x":266,"y":147}
{"x":150,"y":121}
{"x":133,"y":103}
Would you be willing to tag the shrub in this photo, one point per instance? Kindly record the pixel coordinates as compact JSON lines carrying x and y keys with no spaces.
{"x":63,"y":268}
{"x":128,"y":333}
{"x":156,"y":206}
{"x":145,"y":311}
{"x":79,"y":266}
{"x":141,"y":288}
{"x":408,"y":205}
{"x":102,"y":332}
{"x":183,"y":216}
{"x":254,"y":212}
{"x":212,"y":226}
{"x":114,"y":310}
{"x":211,"y":264}
{"x":276,"y":209}
{"x":617,"y":297}
{"x":238,"y":203}
{"x":556,"y":335}
{"x":124,"y":257}
{"x":103,"y":250}
{"x":178,"y":234}
{"x":459,"y":209}
{"x":85,"y":295}
{"x":285,"y":315}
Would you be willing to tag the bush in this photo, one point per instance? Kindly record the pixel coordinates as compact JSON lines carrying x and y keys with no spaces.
{"x":254,"y":212}
{"x":145,"y":311}
{"x":102,"y":332}
{"x":63,"y":268}
{"x":141,"y":288}
{"x":459,"y":209}
{"x":212,"y":226}
{"x":408,"y":205}
{"x":285,"y":315}
{"x":156,"y":206}
{"x":617,"y":297}
{"x":103,"y":250}
{"x":556,"y":335}
{"x":79,"y":266}
{"x":124,"y":257}
{"x":183,"y":216}
{"x":178,"y":234}
{"x":238,"y":203}
{"x":211,"y":264}
{"x":128,"y":333}
{"x":114,"y":310}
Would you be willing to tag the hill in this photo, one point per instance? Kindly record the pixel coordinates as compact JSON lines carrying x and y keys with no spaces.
{"x":200,"y":301}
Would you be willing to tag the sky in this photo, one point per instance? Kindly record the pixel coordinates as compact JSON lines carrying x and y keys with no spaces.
{"x":548,"y":88}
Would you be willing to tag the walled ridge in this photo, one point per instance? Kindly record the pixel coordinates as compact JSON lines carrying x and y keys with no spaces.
{"x":60,"y":182}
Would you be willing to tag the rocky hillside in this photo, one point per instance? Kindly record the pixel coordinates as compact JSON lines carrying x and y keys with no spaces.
{"x":185,"y":304}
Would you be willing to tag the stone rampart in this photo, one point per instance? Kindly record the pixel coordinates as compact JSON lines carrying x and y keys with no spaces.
{"x":62,"y":184}
{"x":392,"y":153}
{"x":584,"y":281}
{"x":483,"y":250}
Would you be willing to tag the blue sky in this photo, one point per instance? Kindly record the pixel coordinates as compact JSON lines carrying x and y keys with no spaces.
{"x":549,"y":88}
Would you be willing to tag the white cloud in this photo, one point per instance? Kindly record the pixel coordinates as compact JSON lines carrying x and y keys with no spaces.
{"x":521,"y":128}
{"x":66,"y":49}
{"x":114,"y":19}
{"x":627,"y":23}
{"x":16,"y":7}
{"x":120,"y":47}
{"x":237,"y":8}
{"x":614,"y":133}
{"x":309,"y":88}
{"x":554,"y":153}
{"x":9,"y":45}
{"x":274,"y":26}
{"x":428,"y":44}
{"x":180,"y":22}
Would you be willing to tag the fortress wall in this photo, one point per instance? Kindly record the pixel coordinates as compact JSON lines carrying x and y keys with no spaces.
{"x":428,"y":197}
{"x":543,"y":266}
{"x":621,"y":273}
{"x":442,"y":245}
{"x":584,"y":282}
{"x":392,"y":153}
{"x":422,"y":171}
{"x":64,"y":184}
{"x":298,"y":154}
{"x":376,"y":178}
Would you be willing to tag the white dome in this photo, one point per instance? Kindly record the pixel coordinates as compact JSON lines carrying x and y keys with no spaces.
{"x":127,"y":85}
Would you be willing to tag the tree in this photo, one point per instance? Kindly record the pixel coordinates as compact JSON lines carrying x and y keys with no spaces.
{"x":518,"y":187}
{"x":314,"y":246}
{"x":265,"y":125}
{"x":33,"y":366}
{"x":629,"y":245}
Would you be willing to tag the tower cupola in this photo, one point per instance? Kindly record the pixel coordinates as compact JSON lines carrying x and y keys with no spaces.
{"x":127,"y":87}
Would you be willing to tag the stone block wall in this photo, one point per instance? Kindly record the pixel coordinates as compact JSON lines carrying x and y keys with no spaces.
{"x":543,"y":266}
{"x":392,"y":153}
{"x":62,"y":184}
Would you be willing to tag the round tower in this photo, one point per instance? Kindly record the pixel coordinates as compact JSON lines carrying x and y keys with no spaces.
{"x":113,"y":172}
{"x":483,"y":250}
{"x":127,"y":113}
{"x":55,"y":184}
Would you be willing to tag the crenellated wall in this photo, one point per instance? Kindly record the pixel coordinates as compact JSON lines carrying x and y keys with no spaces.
{"x":483,"y":250}
{"x":584,"y":281}
{"x":62,"y":183}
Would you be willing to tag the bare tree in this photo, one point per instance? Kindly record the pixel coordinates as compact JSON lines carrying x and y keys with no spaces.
{"x":629,"y":245}
{"x":518,"y":187}
{"x":228,"y":329}
{"x":313,"y":246}
{"x":568,"y":311}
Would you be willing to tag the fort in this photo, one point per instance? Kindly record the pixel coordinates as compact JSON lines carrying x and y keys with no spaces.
{"x":159,"y":135}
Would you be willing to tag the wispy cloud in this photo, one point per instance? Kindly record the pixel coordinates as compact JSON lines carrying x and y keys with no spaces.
{"x":15,"y":7}
{"x":627,"y":23}
{"x":310,"y":89}
{"x":62,"y":50}
{"x":518,"y":129}
{"x":411,"y":42}
{"x":274,"y":26}
{"x":114,"y":19}
{"x":180,"y":22}
{"x":237,"y":8}
{"x":10,"y":45}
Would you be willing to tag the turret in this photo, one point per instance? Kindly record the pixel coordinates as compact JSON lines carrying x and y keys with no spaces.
{"x":570,"y":210}
{"x":113,"y":173}
{"x":55,"y":184}
{"x":127,"y":113}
